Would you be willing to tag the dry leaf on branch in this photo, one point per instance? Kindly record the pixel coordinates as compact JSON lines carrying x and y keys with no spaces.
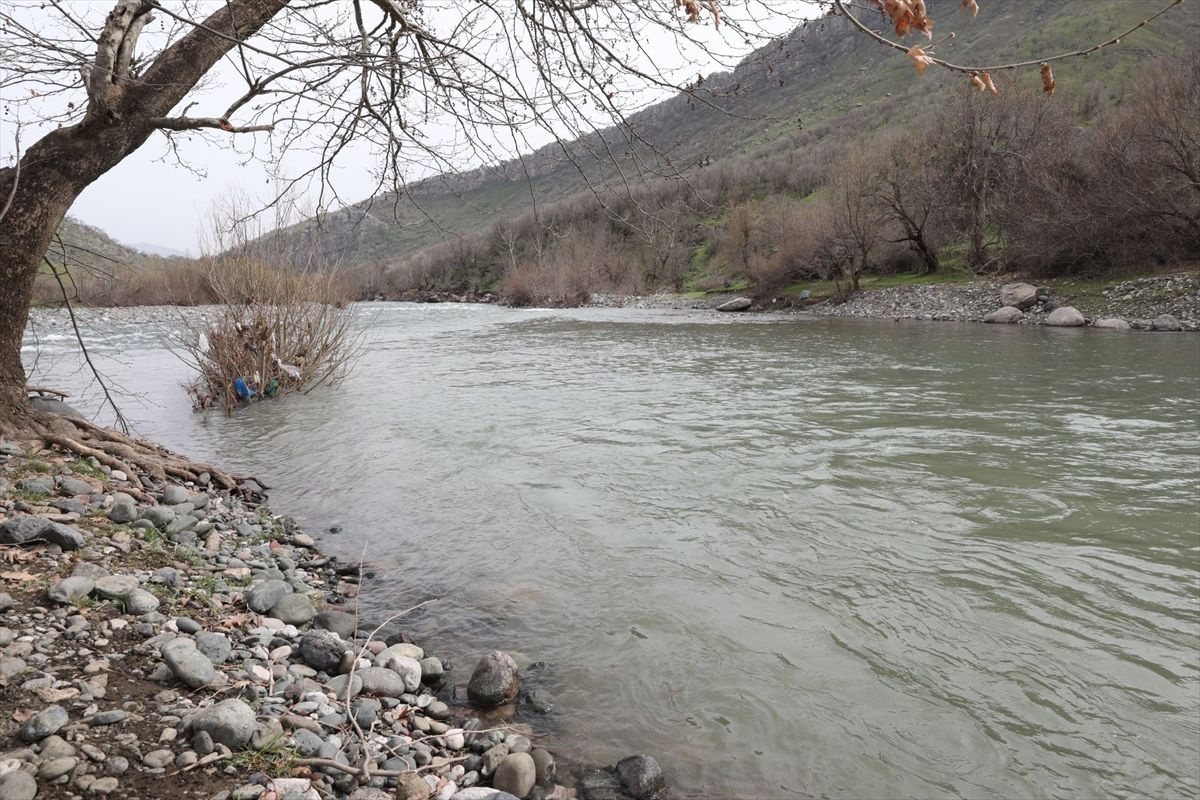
{"x":972,"y":6}
{"x":991,"y":87}
{"x":907,"y":16}
{"x":921,"y":58}
{"x":977,"y":82}
{"x":1048,"y":82}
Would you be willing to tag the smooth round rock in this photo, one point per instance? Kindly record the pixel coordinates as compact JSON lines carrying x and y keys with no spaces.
{"x":18,"y":785}
{"x":517,"y":774}
{"x":544,"y":762}
{"x":71,"y":590}
{"x":293,"y":609}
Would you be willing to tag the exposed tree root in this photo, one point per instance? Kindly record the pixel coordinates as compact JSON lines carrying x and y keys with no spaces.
{"x":132,"y":455}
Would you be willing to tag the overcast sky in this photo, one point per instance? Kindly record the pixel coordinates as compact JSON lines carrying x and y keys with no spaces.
{"x":150,"y":199}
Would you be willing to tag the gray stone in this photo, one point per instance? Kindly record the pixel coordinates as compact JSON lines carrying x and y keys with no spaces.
{"x":342,"y":685}
{"x":174,"y":495}
{"x":157,"y":759}
{"x":641,"y":776}
{"x":431,"y":669}
{"x":1112,"y":324}
{"x":18,"y":785}
{"x":104,"y":785}
{"x":544,"y":762}
{"x":123,"y":512}
{"x":263,"y":596}
{"x":1166,"y":322}
{"x":481,"y":793}
{"x":736,"y":304}
{"x":139,"y":602}
{"x":293,"y":609}
{"x":187,"y":663}
{"x":159,"y":516}
{"x":409,"y":669}
{"x":23,"y":529}
{"x":1005,"y":316}
{"x":111,"y":717}
{"x":115,"y":587}
{"x":321,"y":649}
{"x":71,"y":590}
{"x":116,"y":765}
{"x":230,"y":722}
{"x":306,"y":743}
{"x":1022,"y":296}
{"x":215,"y":646}
{"x":1066,"y":317}
{"x":44,"y":723}
{"x":187,"y":625}
{"x":202,"y":743}
{"x":381,"y":681}
{"x":517,"y":774}
{"x":494,"y":682}
{"x":6,"y":601}
{"x":56,"y":767}
{"x":71,"y":487}
{"x":339,"y":622}
{"x":36,"y":485}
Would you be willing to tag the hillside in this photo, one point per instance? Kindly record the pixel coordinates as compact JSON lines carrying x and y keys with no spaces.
{"x":823,"y":77}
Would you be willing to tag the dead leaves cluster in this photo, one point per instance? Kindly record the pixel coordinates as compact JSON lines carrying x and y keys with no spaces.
{"x":983,"y":82}
{"x":693,"y":10}
{"x":907,"y":16}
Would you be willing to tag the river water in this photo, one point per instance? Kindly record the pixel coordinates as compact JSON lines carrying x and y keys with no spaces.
{"x":790,"y":557}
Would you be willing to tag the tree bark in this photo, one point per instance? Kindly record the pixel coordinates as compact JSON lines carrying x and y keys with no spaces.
{"x":64,"y":162}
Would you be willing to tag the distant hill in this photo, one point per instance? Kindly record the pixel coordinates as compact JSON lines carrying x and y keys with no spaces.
{"x":822,"y":76}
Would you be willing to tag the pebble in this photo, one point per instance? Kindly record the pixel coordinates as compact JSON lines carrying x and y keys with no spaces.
{"x":18,"y":785}
{"x":45,"y":722}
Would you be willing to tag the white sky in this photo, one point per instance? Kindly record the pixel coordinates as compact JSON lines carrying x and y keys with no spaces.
{"x":150,"y":199}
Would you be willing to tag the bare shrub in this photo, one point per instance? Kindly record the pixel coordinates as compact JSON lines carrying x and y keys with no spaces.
{"x":276,"y":332}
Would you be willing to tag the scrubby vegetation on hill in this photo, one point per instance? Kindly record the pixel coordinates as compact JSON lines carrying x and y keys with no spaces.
{"x":821,"y":157}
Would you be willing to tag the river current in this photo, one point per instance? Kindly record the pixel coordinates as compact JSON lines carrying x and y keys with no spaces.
{"x":790,"y":557}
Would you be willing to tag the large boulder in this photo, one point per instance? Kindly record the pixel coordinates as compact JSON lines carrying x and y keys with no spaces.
{"x":494,"y":682}
{"x":1018,"y":295}
{"x":230,"y":722}
{"x":1005,"y":316}
{"x":736,"y":304}
{"x":1066,"y":317}
{"x":1165,"y":322}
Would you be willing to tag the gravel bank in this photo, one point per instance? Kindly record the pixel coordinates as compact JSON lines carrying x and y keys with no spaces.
{"x":198,"y":646}
{"x":1139,"y":302}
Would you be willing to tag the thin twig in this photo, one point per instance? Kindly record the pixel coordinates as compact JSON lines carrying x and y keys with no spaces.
{"x":841,"y":7}
{"x":121,"y":421}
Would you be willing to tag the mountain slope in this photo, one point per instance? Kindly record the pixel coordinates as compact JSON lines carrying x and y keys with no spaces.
{"x":823,"y":76}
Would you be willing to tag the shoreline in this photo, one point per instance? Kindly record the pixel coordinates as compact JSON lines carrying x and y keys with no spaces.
{"x":199,"y":646}
{"x":1137,"y":302}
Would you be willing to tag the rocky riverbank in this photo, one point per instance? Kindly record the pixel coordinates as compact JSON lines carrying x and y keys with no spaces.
{"x":190,"y":644}
{"x":1136,"y":303}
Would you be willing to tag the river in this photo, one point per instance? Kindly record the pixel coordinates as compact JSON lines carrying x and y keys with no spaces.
{"x":790,"y":557}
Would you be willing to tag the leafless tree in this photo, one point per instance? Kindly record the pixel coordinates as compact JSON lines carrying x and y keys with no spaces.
{"x":912,"y":195}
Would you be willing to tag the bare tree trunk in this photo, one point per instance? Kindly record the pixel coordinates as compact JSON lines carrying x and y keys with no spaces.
{"x":123,"y":111}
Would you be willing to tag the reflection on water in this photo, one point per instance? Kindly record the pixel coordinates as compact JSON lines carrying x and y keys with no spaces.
{"x":790,"y":557}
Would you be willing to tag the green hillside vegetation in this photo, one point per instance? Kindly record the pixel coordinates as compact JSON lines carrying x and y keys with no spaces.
{"x":766,"y":158}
